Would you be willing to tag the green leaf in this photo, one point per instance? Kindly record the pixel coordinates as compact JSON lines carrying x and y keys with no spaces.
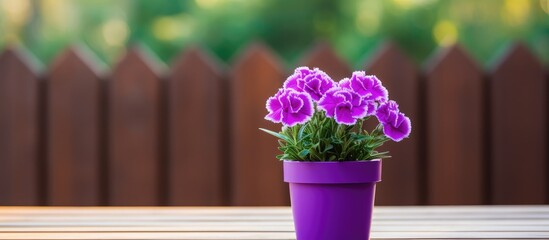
{"x":278,"y":135}
{"x":360,"y":137}
{"x":281,"y":143}
{"x":304,"y":153}
{"x":300,"y":133}
{"x":377,"y":154}
{"x":328,"y":148}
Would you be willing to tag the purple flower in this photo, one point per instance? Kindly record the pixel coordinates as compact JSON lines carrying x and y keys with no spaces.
{"x":396,"y":125}
{"x":344,"y":105}
{"x":290,"y":107}
{"x":314,"y":82}
{"x":367,"y":86}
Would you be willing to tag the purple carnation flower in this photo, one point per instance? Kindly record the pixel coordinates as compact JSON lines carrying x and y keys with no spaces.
{"x":367,"y":86}
{"x":314,"y":82}
{"x":396,"y":125}
{"x":290,"y":107}
{"x":344,"y":105}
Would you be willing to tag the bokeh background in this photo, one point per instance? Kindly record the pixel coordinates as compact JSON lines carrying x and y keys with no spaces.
{"x":354,"y":27}
{"x":158,"y":102}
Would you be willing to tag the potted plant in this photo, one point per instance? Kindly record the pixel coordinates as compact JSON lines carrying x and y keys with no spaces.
{"x":329,"y":160}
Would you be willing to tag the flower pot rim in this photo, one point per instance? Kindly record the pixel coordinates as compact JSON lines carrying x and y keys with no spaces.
{"x":332,"y":172}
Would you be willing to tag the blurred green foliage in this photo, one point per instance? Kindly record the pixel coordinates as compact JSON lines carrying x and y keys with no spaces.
{"x":354,"y":27}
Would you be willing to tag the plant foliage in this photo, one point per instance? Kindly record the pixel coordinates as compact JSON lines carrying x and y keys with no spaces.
{"x":322,"y":139}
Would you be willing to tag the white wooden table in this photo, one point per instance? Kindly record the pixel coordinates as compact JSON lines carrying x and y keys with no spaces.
{"x":459,"y":222}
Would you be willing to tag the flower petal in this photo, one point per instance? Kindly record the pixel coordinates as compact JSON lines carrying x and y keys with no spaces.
{"x":343,"y":114}
{"x":291,"y":82}
{"x":384,"y":111}
{"x":379,"y":92}
{"x":367,"y":86}
{"x":296,"y":103}
{"x":275,"y":116}
{"x":329,"y":102}
{"x":308,"y":106}
{"x":345,"y":83}
{"x":372,"y":108}
{"x":273,"y":104}
{"x":359,"y":111}
{"x":292,"y":119}
{"x":400,"y":131}
{"x":314,"y":82}
{"x":289,"y":107}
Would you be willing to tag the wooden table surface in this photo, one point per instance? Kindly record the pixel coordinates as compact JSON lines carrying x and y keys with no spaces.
{"x":461,"y":222}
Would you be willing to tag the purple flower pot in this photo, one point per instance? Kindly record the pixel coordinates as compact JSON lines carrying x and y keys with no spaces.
{"x":332,"y":200}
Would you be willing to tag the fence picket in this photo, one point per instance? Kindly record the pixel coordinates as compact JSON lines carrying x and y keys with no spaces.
{"x":256,"y":174}
{"x":196,"y":170}
{"x":74,"y":152}
{"x":324,"y":57}
{"x":19,"y":129}
{"x":401,"y":174}
{"x":519,"y":123}
{"x":455,"y":132}
{"x":134,"y":131}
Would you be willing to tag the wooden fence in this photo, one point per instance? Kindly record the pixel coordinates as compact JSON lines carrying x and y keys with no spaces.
{"x":146,"y":134}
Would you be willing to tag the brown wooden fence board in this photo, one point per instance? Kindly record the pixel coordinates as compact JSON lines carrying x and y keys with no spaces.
{"x":256,"y":173}
{"x":401,"y":173}
{"x":74,"y":130}
{"x":134,"y":131}
{"x":455,"y":131}
{"x":519,"y":127}
{"x":19,"y":134}
{"x":324,"y":57}
{"x":196,"y":143}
